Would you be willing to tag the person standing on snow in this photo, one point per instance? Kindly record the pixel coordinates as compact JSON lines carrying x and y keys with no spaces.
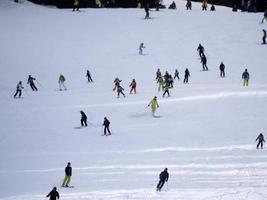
{"x":141,"y":47}
{"x":146,"y":7}
{"x":200,"y":50}
{"x":133,"y":86}
{"x":160,"y":82}
{"x":54,"y":195}
{"x":163,"y":177}
{"x":245,"y":77}
{"x":61,"y":81}
{"x":106,"y":124}
{"x":30,"y":81}
{"x":68,"y":173}
{"x":19,"y":89}
{"x":264,"y":36}
{"x":204,"y":62}
{"x":120,"y":91}
{"x":83,"y":119}
{"x":76,"y":5}
{"x":153,"y":105}
{"x":157,"y":3}
{"x":88,"y":75}
{"x":222,"y":67}
{"x":261,"y":140}
{"x":186,"y":75}
{"x":176,"y":75}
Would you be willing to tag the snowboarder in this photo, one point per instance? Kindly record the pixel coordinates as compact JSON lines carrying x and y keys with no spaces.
{"x":88,"y":74}
{"x":261,"y":140}
{"x":160,"y":83}
{"x":117,"y":83}
{"x":204,"y":62}
{"x":76,"y":5}
{"x":141,"y":47}
{"x":120,"y":91}
{"x":173,"y":5}
{"x":188,"y":5}
{"x":61,"y":81}
{"x":186,"y":75}
{"x":212,"y":8}
{"x":245,"y":77}
{"x":31,"y":82}
{"x":166,"y":90}
{"x":106,"y":124}
{"x":200,"y":50}
{"x":204,"y":4}
{"x":53,"y":194}
{"x":264,"y":16}
{"x":19,"y":89}
{"x":163,"y":177}
{"x":222,"y":67}
{"x":68,"y":173}
{"x":83,"y":119}
{"x":133,"y":86}
{"x":154,"y":105}
{"x":264,"y":36}
{"x":176,"y":75}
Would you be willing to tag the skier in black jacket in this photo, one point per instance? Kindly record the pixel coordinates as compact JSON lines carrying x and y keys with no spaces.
{"x":68,"y":173}
{"x":264,"y":36}
{"x":106,"y":124}
{"x":222,"y":67}
{"x":200,"y":50}
{"x":204,"y":62}
{"x":261,"y":140}
{"x":163,"y":177}
{"x":53,"y":194}
{"x":83,"y":119}
{"x":88,"y":75}
{"x":30,"y":81}
{"x":186,"y":75}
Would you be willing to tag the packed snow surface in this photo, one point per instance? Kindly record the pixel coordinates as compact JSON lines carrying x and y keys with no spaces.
{"x":206,"y":130}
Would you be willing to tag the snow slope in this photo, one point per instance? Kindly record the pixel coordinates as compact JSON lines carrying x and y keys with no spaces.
{"x":205,"y":134}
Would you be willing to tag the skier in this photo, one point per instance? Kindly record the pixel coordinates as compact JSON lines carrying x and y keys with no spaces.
{"x":222,"y":67}
{"x":200,"y":50}
{"x":88,"y":74}
{"x":106,"y":124}
{"x":19,"y":89}
{"x":53,"y":194}
{"x":157,"y":3}
{"x":141,"y":47}
{"x":188,"y":5}
{"x":160,"y":83}
{"x":30,"y":81}
{"x":186,"y":75}
{"x":264,"y":16}
{"x":176,"y":74}
{"x":61,"y":81}
{"x":204,"y":62}
{"x":172,"y":6}
{"x":158,"y":74}
{"x":204,"y":4}
{"x":117,"y":83}
{"x":146,"y":6}
{"x":212,"y":8}
{"x":163,"y":177}
{"x":83,"y":119}
{"x":261,"y":140}
{"x":133,"y":86}
{"x":264,"y":36}
{"x":154,"y":105}
{"x":68,"y":173}
{"x":76,"y":5}
{"x":166,"y":90}
{"x":120,"y":91}
{"x":245,"y":77}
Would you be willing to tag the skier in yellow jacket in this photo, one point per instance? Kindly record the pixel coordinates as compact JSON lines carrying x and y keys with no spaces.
{"x":154,"y":105}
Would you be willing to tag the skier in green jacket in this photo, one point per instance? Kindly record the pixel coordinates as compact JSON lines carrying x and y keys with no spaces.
{"x":154,"y":105}
{"x":61,"y":81}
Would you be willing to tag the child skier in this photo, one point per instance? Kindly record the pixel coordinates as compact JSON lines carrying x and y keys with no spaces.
{"x":163,"y":177}
{"x":261,"y":140}
{"x":133,"y":86}
{"x":245,"y":77}
{"x":68,"y":173}
{"x":61,"y":81}
{"x":19,"y":89}
{"x":141,"y":47}
{"x":154,"y":105}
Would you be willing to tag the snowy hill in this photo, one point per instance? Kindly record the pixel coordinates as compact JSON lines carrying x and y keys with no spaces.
{"x":207,"y":129}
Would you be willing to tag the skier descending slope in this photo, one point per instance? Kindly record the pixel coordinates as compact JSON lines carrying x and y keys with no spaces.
{"x":61,"y":81}
{"x":163,"y":177}
{"x":30,"y":81}
{"x":141,"y":47}
{"x":68,"y":173}
{"x":200,"y":50}
{"x":245,"y":77}
{"x":106,"y":124}
{"x":53,"y":194}
{"x":261,"y":140}
{"x":88,"y":75}
{"x":83,"y":119}
{"x":19,"y":89}
{"x":154,"y":105}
